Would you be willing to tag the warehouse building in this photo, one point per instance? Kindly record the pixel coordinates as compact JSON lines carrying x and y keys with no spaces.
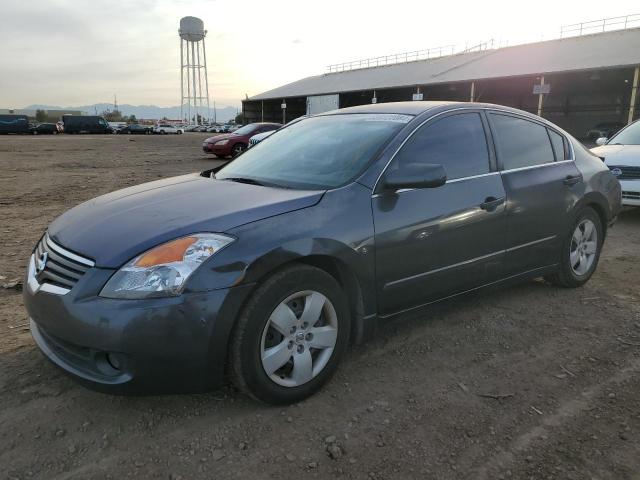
{"x":575,"y":82}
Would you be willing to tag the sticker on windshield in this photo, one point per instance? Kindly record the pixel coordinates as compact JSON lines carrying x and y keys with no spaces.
{"x":388,"y":117}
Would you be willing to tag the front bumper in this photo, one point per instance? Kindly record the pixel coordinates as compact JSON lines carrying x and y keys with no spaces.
{"x":630,"y":193}
{"x":219,"y":150}
{"x":162,"y":345}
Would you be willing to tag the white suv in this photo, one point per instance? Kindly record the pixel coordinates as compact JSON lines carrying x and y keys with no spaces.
{"x":164,"y":128}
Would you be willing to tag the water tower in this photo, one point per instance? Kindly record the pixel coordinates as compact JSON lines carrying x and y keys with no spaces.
{"x":193,"y":70}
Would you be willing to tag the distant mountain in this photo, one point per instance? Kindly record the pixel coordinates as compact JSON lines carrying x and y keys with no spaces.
{"x":223,"y":114}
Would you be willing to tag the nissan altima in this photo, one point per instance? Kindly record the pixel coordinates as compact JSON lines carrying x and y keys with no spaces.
{"x":263,"y":271}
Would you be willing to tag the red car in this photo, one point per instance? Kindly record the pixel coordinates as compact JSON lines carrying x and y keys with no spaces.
{"x":233,"y":144}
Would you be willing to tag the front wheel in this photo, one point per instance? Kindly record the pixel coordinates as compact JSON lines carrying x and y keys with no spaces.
{"x":580,"y":251}
{"x":237,"y":149}
{"x":290,"y":336}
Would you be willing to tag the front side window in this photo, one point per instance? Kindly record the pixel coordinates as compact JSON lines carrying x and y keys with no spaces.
{"x":628,"y":136}
{"x":520,"y":143}
{"x":318,"y":152}
{"x":456,"y":142}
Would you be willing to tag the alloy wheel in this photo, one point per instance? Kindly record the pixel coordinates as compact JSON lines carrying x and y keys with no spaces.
{"x":583,"y":248}
{"x":299,"y":338}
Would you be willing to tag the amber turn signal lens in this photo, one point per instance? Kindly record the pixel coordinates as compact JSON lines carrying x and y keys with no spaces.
{"x":167,"y":253}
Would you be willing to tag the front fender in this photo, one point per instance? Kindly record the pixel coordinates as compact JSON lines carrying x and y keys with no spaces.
{"x":339,"y":228}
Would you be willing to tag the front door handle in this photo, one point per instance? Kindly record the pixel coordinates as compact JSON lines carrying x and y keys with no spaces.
{"x":572,"y":179}
{"x":491,"y":203}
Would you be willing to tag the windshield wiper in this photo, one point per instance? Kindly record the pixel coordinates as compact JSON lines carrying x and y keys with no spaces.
{"x":250,"y":181}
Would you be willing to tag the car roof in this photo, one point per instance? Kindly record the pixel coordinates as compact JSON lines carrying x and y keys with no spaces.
{"x":418,"y":107}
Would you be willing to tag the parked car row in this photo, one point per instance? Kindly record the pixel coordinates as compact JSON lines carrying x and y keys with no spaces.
{"x":96,"y":124}
{"x":212,"y":128}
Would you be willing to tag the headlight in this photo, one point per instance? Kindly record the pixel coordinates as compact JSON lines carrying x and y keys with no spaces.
{"x":163,"y":270}
{"x":221,"y":142}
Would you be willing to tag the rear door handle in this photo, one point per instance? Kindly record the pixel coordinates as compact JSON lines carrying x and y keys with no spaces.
{"x":491,"y":203}
{"x":572,"y":179}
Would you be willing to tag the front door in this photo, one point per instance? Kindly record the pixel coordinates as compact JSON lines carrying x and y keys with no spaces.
{"x":434,"y":242}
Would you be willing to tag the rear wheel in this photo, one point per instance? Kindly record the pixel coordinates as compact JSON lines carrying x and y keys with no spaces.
{"x":290,"y":336}
{"x":580,"y":251}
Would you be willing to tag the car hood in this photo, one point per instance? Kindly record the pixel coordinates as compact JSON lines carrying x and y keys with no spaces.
{"x":114,"y":228}
{"x":619,"y":155}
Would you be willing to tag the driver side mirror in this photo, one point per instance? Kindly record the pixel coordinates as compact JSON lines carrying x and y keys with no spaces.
{"x":601,"y":140}
{"x":415,"y":175}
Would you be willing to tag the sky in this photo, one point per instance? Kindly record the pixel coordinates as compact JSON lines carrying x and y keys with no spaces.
{"x":80,"y":52}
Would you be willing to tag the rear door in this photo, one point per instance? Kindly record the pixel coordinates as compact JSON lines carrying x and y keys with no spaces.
{"x":541,"y":181}
{"x":435,"y":242}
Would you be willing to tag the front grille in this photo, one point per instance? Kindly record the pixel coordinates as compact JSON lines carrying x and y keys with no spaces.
{"x":628,"y":173}
{"x":631,"y":195}
{"x":58,"y":266}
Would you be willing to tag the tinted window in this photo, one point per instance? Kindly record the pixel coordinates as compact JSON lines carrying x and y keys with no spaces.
{"x":559,"y":147}
{"x":457,"y":142}
{"x":520,"y":143}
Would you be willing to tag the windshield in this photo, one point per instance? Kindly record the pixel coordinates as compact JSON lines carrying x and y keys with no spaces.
{"x":628,"y":136}
{"x":246,"y":130}
{"x":317,"y":153}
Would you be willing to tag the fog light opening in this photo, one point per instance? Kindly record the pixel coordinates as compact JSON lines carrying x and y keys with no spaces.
{"x":114,"y":360}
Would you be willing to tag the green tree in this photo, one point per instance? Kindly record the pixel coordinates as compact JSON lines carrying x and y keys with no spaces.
{"x":132,"y":119}
{"x":239,"y":118}
{"x":41,"y":116}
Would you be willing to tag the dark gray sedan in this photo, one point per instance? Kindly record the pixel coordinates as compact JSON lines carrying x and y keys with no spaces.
{"x":266,"y":269}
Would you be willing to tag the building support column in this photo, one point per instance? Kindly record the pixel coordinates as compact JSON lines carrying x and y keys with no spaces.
{"x":540,"y":96}
{"x":473,"y":91}
{"x":634,"y":93}
{"x":262,"y":110}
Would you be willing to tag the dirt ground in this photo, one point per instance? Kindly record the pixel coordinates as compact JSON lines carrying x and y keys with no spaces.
{"x":532,"y":382}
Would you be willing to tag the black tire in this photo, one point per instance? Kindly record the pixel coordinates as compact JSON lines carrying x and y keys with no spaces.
{"x":237,"y":149}
{"x":566,"y":276}
{"x":245,"y":364}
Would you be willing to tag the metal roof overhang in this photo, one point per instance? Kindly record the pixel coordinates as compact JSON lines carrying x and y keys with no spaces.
{"x":598,"y":51}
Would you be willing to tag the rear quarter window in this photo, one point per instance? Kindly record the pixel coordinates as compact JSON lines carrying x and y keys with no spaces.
{"x":560,"y":147}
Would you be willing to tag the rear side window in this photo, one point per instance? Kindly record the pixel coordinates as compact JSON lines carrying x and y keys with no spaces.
{"x":520,"y":143}
{"x":457,"y":142}
{"x":559,"y":146}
